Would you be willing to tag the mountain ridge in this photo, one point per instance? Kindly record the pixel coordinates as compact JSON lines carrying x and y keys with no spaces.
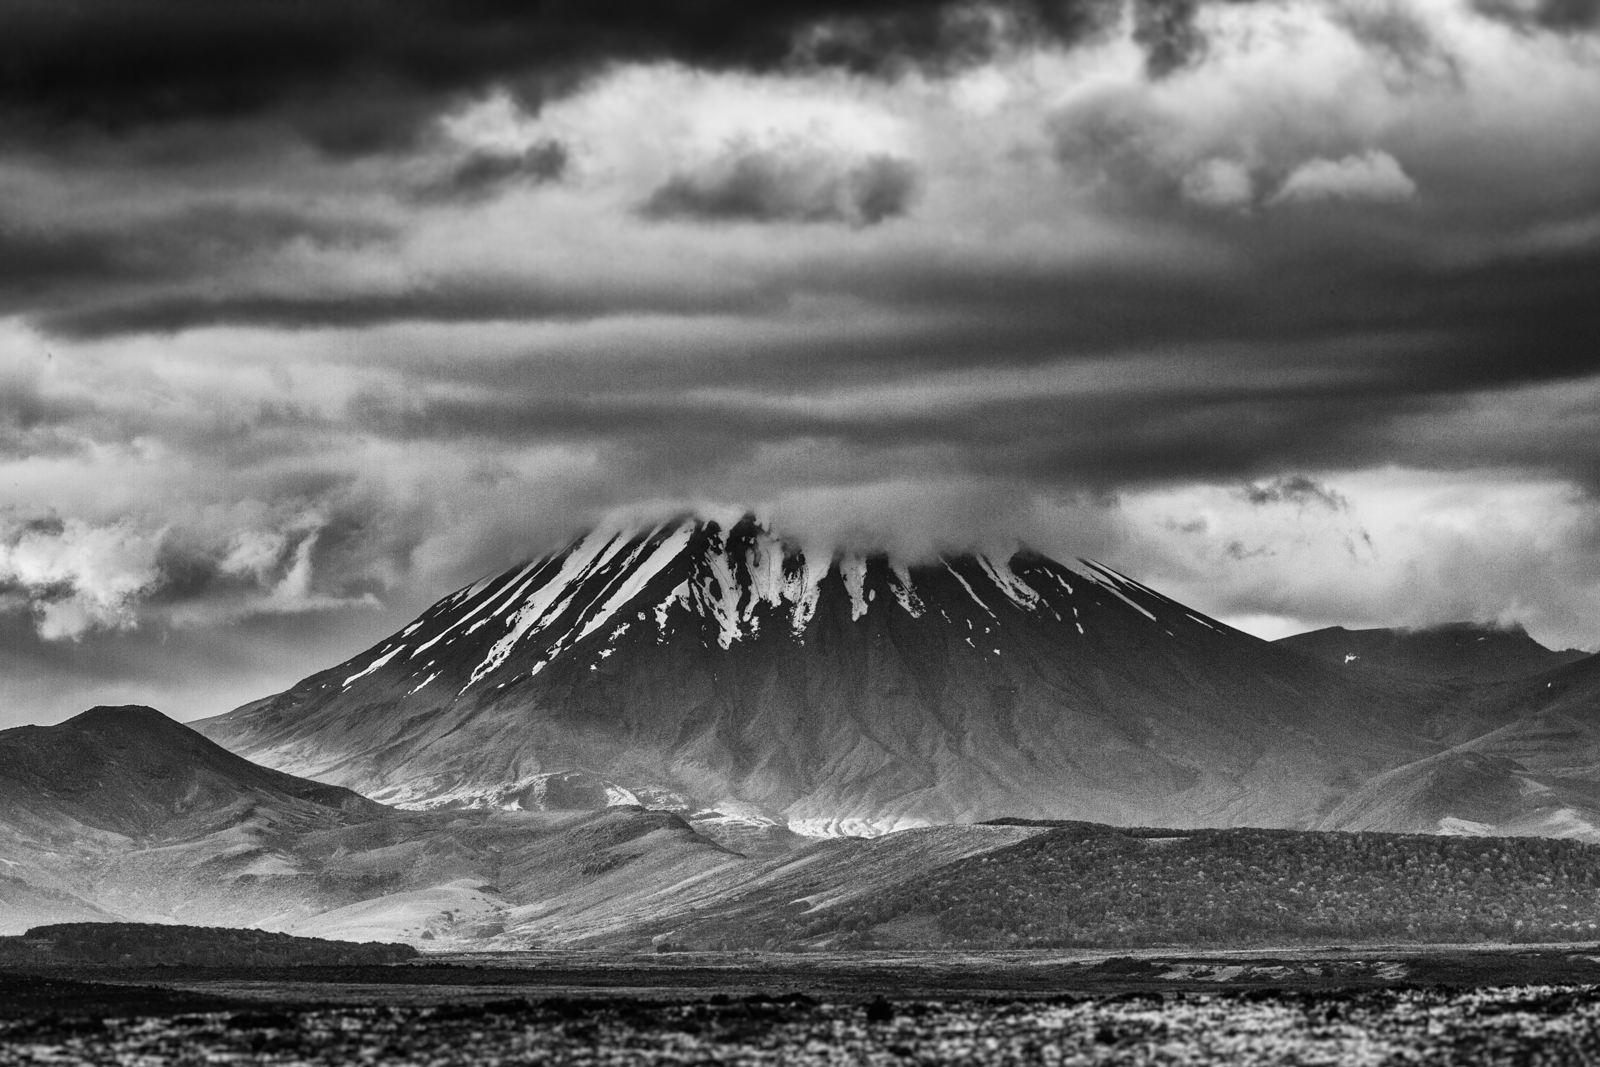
{"x":1453,"y":652}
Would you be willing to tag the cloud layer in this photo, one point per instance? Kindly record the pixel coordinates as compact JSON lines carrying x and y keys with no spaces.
{"x":309,"y":313}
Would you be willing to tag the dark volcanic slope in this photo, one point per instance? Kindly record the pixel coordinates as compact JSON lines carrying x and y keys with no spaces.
{"x":694,"y":666}
{"x":1463,"y":652}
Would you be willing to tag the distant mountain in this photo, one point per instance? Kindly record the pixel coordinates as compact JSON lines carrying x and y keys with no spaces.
{"x":726,"y":674}
{"x":1459,"y":652}
{"x":1525,"y":759}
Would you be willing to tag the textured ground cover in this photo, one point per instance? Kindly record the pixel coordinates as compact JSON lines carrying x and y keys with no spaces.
{"x":1069,"y":887}
{"x":1520,"y":1025}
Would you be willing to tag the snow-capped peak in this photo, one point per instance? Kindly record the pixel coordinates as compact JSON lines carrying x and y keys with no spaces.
{"x":729,"y":583}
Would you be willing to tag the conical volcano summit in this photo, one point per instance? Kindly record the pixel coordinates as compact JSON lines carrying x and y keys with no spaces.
{"x":721,"y":671}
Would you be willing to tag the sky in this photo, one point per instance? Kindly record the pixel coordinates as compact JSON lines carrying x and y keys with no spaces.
{"x":312,"y":312}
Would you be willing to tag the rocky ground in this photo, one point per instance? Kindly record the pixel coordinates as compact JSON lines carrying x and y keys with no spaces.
{"x":1513,"y":1025}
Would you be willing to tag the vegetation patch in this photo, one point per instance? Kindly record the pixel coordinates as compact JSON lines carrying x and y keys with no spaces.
{"x":154,"y":945}
{"x":1264,"y":1028}
{"x":1087,"y":885}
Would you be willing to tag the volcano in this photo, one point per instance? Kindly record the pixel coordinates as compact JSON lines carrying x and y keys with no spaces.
{"x":722,"y":672}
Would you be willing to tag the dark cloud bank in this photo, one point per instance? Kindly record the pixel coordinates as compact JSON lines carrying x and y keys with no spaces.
{"x":358,"y":75}
{"x":361,"y":75}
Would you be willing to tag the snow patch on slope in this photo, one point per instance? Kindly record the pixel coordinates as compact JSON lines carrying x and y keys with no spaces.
{"x":719,"y":593}
{"x":764,"y":565}
{"x":853,"y":569}
{"x":904,"y":592}
{"x":373,"y":666}
{"x":802,"y":589}
{"x":1015,"y":589}
{"x":679,"y":595}
{"x":529,"y":792}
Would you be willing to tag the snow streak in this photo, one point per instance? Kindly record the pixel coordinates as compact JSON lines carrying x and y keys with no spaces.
{"x":1016,"y":590}
{"x":485,"y":603}
{"x":1110,"y":580}
{"x":373,"y":666}
{"x":969,"y":590}
{"x":581,"y":559}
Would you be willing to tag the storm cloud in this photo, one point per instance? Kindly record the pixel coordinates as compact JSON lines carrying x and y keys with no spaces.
{"x":312,"y":313}
{"x":354,"y":76}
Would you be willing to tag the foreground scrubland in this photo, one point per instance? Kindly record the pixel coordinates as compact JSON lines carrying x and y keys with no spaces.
{"x":1525,"y":1026}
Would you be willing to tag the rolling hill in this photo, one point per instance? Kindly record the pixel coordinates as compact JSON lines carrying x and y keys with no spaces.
{"x":122,"y":813}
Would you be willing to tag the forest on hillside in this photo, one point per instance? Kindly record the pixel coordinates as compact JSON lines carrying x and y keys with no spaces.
{"x":149,"y":944}
{"x":1081,"y":884}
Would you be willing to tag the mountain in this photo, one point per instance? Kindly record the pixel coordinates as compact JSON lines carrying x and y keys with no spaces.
{"x":730,"y":676}
{"x":132,"y":771}
{"x":100,"y":813}
{"x":1458,"y":652}
{"x":124,"y":814}
{"x":1525,"y":759}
